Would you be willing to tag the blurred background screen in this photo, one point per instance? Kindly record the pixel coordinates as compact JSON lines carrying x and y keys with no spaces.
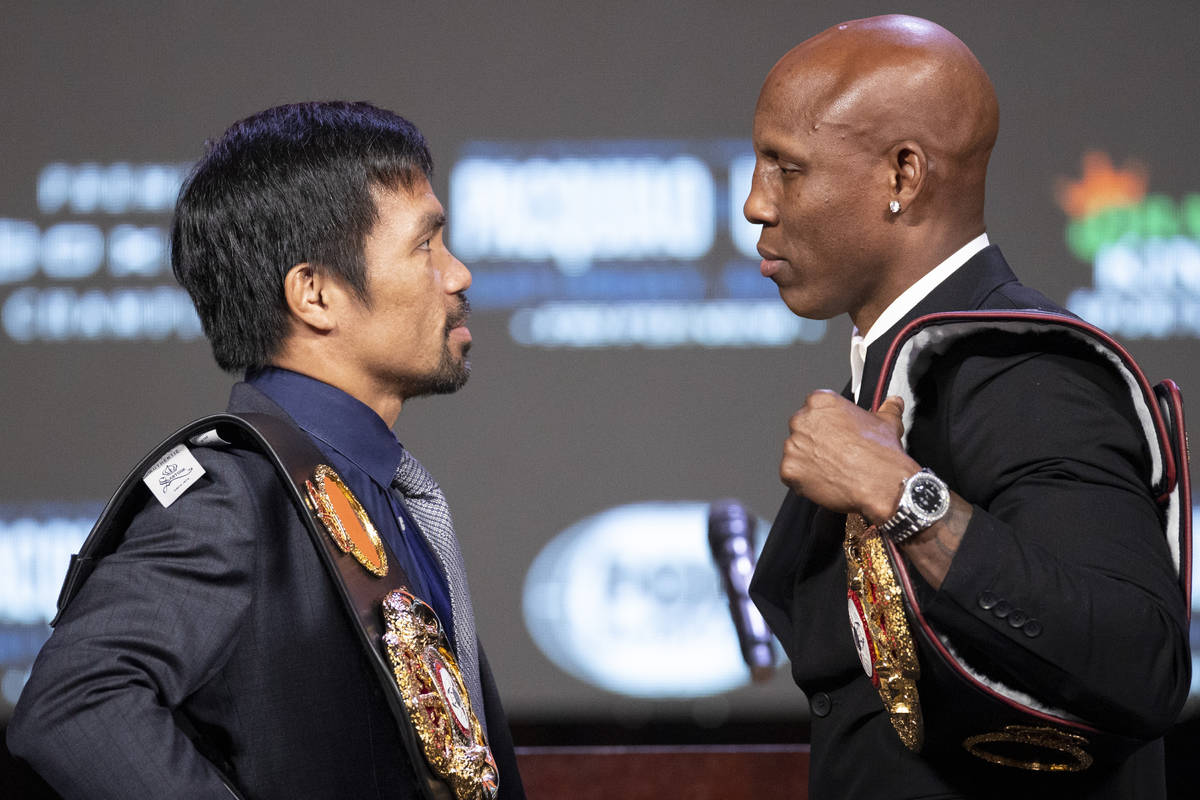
{"x":630,"y":363}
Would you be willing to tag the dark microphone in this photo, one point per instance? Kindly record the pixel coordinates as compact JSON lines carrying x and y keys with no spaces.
{"x":729,"y":536}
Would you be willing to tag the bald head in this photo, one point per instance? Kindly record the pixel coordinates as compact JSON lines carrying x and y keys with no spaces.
{"x":871,"y":144}
{"x":884,"y":80}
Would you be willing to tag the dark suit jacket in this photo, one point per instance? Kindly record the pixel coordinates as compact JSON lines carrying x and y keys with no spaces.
{"x":215,"y":616}
{"x":1064,"y":529}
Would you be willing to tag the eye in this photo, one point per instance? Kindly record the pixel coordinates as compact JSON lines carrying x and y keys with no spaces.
{"x":426,"y":245}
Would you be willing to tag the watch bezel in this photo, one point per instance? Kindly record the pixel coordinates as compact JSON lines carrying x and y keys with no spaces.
{"x":924,"y":518}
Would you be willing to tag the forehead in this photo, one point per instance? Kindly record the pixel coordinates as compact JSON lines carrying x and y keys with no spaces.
{"x":807,"y":105}
{"x":401,"y":210}
{"x":784,"y":126}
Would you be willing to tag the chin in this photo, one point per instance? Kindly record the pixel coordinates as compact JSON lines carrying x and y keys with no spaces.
{"x":450,"y":376}
{"x":802,"y":307}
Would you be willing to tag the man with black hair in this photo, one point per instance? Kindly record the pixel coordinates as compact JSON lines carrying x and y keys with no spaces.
{"x":216,"y":649}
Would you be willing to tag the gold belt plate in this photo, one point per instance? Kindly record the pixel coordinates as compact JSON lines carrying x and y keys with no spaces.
{"x":429,"y":680}
{"x":880,"y":629}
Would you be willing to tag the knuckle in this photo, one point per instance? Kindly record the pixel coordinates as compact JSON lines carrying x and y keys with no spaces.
{"x":822,"y":398}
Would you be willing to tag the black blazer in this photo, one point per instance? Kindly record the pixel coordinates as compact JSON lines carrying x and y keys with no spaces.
{"x":1065,"y":530}
{"x":212,"y":638}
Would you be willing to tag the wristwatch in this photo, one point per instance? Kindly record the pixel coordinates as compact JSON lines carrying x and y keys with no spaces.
{"x":924,"y":501}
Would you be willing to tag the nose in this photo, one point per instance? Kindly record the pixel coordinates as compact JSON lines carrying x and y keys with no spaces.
{"x":759,"y":208}
{"x":457,"y":276}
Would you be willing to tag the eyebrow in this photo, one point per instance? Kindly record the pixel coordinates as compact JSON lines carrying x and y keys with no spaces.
{"x":431,"y":222}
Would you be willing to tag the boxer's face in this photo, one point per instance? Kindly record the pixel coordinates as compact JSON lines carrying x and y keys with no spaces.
{"x":821,"y":198}
{"x":409,"y":338}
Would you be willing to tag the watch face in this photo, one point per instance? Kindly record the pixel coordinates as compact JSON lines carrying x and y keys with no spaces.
{"x":927,"y":495}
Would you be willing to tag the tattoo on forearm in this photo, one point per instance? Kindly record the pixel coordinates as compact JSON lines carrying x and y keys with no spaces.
{"x":955,"y":525}
{"x":948,"y":550}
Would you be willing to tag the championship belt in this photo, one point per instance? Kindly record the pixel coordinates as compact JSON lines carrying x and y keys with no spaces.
{"x":424,"y":669}
{"x":966,"y":711}
{"x":402,"y":637}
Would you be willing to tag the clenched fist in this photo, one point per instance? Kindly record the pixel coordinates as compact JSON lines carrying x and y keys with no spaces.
{"x":847,"y":459}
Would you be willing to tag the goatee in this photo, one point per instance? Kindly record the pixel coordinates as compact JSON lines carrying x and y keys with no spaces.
{"x":452,"y":372}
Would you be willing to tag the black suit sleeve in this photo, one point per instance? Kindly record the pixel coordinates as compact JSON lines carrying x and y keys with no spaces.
{"x":152,"y":623}
{"x":1063,"y":585}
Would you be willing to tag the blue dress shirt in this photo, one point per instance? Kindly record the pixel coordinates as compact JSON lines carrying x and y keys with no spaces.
{"x":365,"y":452}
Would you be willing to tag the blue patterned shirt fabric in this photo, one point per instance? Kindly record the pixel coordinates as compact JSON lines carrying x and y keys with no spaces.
{"x":363,"y":450}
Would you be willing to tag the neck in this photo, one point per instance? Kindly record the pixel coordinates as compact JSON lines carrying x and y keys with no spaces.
{"x":385,"y":403}
{"x":923,"y":256}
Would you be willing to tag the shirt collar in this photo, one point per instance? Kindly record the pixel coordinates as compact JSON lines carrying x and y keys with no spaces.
{"x":339,"y":420}
{"x":906,"y":302}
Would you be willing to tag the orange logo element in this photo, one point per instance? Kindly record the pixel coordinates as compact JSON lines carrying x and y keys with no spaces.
{"x":1102,"y":186}
{"x":346,"y":520}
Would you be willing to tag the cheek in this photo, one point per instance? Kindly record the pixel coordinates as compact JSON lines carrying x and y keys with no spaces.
{"x":810,"y":213}
{"x":433,"y":322}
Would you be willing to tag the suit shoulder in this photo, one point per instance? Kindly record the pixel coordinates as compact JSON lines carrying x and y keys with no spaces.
{"x":235,"y":468}
{"x":240,"y":492}
{"x":1035,"y":397}
{"x":1030,"y":358}
{"x":1014,"y":294}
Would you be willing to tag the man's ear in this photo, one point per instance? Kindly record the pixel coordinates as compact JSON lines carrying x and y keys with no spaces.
{"x":312,"y":296}
{"x":909,"y":166}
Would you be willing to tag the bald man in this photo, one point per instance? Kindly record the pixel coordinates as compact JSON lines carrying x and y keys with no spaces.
{"x":872,"y":142}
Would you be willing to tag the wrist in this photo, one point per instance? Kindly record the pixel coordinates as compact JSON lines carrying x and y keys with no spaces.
{"x":887,"y":490}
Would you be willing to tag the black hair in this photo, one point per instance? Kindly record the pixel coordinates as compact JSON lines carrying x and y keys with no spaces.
{"x":288,"y":185}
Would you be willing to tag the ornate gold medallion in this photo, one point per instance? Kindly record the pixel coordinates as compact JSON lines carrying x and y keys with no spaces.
{"x":433,"y":690}
{"x":880,"y":630}
{"x":346,"y":520}
{"x":1042,"y":749}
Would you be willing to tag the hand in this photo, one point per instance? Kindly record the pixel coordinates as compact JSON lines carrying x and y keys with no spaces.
{"x":846,"y":459}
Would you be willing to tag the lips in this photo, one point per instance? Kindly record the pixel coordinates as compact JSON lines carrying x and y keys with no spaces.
{"x":456,"y":320}
{"x":771,"y":262}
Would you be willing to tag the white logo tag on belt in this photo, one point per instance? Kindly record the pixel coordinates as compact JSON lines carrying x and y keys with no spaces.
{"x":172,"y":474}
{"x":861,"y":636}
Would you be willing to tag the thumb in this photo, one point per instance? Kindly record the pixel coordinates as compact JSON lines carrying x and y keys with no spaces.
{"x":892,"y":410}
